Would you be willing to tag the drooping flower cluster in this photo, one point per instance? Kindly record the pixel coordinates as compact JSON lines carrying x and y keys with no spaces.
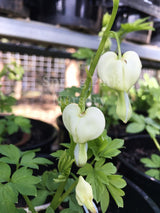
{"x":119,"y":73}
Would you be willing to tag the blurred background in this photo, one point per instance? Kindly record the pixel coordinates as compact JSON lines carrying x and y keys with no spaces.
{"x":42,"y":35}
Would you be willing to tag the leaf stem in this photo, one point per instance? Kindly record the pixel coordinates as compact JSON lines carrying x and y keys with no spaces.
{"x":115,"y":35}
{"x":156,"y":143}
{"x":29,"y":203}
{"x":84,"y":92}
{"x":66,"y":193}
{"x":55,"y":201}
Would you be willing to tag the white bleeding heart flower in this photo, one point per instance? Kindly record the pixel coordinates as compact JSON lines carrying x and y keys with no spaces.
{"x":119,"y":73}
{"x":84,"y":195}
{"x":83,"y":126}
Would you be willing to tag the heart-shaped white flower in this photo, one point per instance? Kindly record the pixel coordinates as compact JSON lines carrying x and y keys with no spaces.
{"x":120,"y":74}
{"x":83,"y":126}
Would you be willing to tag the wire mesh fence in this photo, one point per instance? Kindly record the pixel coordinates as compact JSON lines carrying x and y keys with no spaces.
{"x":42,"y":74}
{"x":45,"y":75}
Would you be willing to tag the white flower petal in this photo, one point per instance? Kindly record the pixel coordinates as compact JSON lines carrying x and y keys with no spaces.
{"x":86,"y":126}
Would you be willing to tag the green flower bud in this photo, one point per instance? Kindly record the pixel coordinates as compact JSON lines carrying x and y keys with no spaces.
{"x":119,"y":73}
{"x":83,"y":126}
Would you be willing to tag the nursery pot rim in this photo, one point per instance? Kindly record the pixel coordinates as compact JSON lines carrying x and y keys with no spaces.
{"x":131,"y":184}
{"x":130,"y":165}
{"x":45,"y":141}
{"x":144,"y":195}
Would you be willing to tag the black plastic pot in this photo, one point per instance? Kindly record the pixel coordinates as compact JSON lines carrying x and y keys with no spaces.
{"x":135,"y":201}
{"x":77,"y":14}
{"x":141,"y":144}
{"x":63,"y":135}
{"x":155,"y":40}
{"x":13,"y":8}
{"x":117,"y":131}
{"x":43,"y":136}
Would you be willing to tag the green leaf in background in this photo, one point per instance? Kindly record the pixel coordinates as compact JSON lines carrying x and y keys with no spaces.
{"x":107,"y":168}
{"x":138,"y":25}
{"x":2,"y":126}
{"x":29,"y":160}
{"x":103,"y":180}
{"x":105,"y":147}
{"x":6,"y":103}
{"x":138,"y":118}
{"x":47,"y":180}
{"x":154,"y":111}
{"x":46,"y":187}
{"x":40,"y":198}
{"x":49,"y":210}
{"x":104,"y":200}
{"x":153,"y":173}
{"x":154,"y":162}
{"x":69,"y":95}
{"x":12,"y":154}
{"x":24,"y":181}
{"x":117,"y":181}
{"x":151,"y":122}
{"x":21,"y":211}
{"x":57,"y":154}
{"x":140,"y":123}
{"x":5,"y":172}
{"x":94,"y":179}
{"x":13,"y":71}
{"x":13,"y":123}
{"x":12,"y":127}
{"x":152,"y":131}
{"x":112,"y":148}
{"x":69,"y":210}
{"x":84,"y":54}
{"x":8,"y":198}
{"x":73,"y":205}
{"x":135,"y":127}
{"x":116,"y":194}
{"x":23,"y":123}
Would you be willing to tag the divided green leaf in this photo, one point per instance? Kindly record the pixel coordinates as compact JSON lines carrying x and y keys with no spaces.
{"x":5,"y":172}
{"x":12,"y":154}
{"x":24,"y":181}
{"x":104,"y":181}
{"x":105,"y":147}
{"x":30,"y":160}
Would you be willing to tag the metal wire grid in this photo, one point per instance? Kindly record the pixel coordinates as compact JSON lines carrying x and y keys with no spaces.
{"x":43,"y":74}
